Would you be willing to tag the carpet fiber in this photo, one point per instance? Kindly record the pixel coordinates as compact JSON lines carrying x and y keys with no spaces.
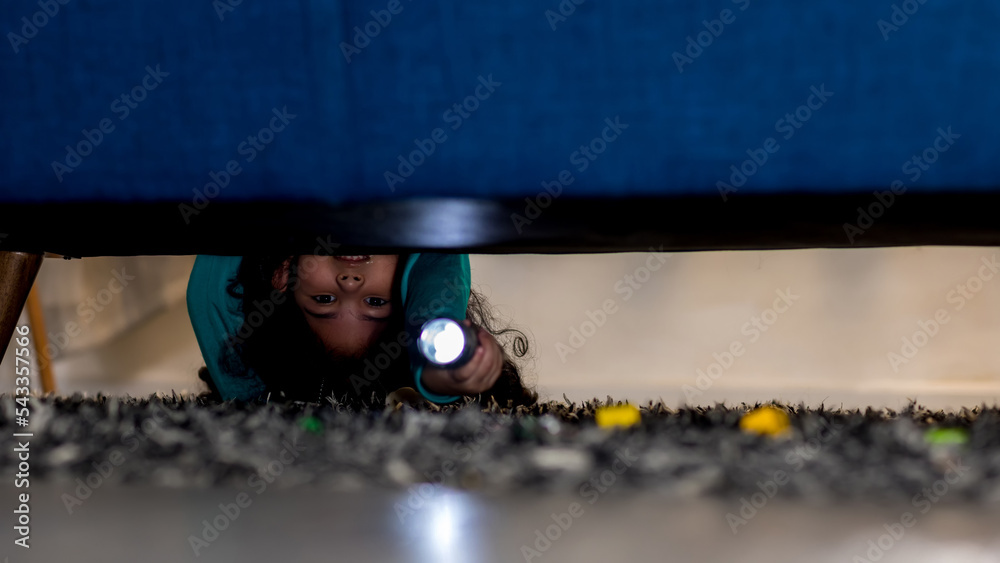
{"x":193,"y":442}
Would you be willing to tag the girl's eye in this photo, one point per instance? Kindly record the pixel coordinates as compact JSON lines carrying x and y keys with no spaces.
{"x":375,"y":301}
{"x":324,"y":299}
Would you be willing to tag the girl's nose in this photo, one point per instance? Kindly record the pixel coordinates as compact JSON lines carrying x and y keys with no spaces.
{"x":349,"y":282}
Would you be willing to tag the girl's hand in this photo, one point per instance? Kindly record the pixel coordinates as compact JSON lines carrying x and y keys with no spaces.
{"x":473,"y":378}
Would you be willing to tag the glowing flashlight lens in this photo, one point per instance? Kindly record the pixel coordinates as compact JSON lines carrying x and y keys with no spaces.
{"x":442,"y":341}
{"x":447,"y":343}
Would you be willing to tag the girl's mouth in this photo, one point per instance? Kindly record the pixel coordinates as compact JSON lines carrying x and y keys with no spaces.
{"x":354,"y":259}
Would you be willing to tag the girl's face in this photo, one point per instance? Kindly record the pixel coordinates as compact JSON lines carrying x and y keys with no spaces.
{"x":346,"y":300}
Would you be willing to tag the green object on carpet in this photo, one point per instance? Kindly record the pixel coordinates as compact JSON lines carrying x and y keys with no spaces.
{"x":946,"y":436}
{"x":311,"y":424}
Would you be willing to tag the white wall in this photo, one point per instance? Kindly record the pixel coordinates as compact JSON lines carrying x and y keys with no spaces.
{"x":854,"y":307}
{"x":95,"y":308}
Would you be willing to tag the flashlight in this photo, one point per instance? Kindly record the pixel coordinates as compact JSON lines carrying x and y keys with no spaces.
{"x":447,"y":343}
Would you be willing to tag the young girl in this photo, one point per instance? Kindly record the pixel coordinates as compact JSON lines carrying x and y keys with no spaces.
{"x":305,"y":327}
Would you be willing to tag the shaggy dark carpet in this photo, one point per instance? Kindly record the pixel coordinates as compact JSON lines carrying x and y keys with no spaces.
{"x":194,"y":442}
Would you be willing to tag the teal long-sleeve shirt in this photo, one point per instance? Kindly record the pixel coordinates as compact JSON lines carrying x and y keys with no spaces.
{"x":432,"y":285}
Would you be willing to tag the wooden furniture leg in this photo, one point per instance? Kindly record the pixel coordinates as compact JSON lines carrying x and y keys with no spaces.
{"x":17,"y":274}
{"x":41,"y":341}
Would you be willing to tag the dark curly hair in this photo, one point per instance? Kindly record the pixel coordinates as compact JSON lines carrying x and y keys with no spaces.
{"x":288,"y":357}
